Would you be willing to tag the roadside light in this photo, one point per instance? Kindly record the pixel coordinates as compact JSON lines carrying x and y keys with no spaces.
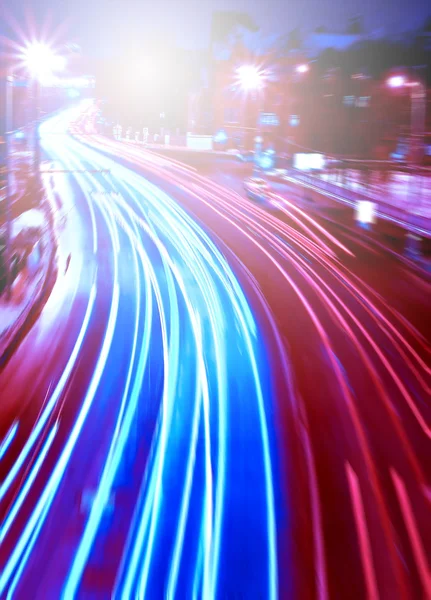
{"x":250,"y":77}
{"x":41,"y":61}
{"x":365,"y":212}
{"x":221,"y":137}
{"x":396,"y":81}
{"x":266,"y":161}
{"x":303,"y":68}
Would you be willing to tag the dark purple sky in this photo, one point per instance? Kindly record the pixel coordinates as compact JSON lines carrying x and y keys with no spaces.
{"x":106,"y":25}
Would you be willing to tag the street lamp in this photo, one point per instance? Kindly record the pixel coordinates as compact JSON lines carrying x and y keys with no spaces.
{"x":250,"y":77}
{"x":418,"y":108}
{"x":40,"y":62}
{"x":303,"y":68}
{"x":396,"y":81}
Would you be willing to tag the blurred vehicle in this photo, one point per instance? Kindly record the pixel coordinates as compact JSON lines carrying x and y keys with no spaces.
{"x":257,"y":189}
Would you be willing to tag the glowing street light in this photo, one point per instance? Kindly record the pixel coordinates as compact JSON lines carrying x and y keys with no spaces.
{"x":418,"y":109}
{"x":303,"y":68}
{"x":396,"y":81}
{"x":41,"y":61}
{"x":250,"y":77}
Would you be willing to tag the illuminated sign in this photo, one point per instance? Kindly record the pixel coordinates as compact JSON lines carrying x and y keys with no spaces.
{"x":363,"y":101}
{"x":269,"y":120}
{"x":358,"y":101}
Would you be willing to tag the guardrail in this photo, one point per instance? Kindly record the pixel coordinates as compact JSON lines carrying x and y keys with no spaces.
{"x":411,"y":222}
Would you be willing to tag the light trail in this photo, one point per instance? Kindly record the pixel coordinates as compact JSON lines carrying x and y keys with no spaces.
{"x":184,"y":372}
{"x":310,"y":263}
{"x":199,"y":305}
{"x":8,"y":440}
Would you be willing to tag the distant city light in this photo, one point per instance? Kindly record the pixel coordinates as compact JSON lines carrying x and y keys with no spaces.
{"x":250,"y":77}
{"x":269,"y":119}
{"x":221,"y":137}
{"x":309,"y":161}
{"x":304,"y":68}
{"x":396,"y":81}
{"x":266,"y":161}
{"x":365,"y":212}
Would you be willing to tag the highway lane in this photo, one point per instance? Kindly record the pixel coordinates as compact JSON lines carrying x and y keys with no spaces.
{"x":137,"y":417}
{"x":246,"y":419}
{"x":352,"y":362}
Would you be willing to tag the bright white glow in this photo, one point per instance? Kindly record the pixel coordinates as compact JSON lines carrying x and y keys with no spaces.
{"x":250,"y":77}
{"x":221,"y":137}
{"x":304,"y":68}
{"x":41,"y":61}
{"x":309,"y":162}
{"x":365,"y":212}
{"x":58,"y":63}
{"x":396,"y":81}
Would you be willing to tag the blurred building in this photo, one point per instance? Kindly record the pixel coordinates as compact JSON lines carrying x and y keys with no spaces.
{"x":335,"y":109}
{"x":351,"y":115}
{"x":318,"y":41}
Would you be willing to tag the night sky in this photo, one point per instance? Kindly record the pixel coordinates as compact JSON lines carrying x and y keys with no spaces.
{"x":107,"y":26}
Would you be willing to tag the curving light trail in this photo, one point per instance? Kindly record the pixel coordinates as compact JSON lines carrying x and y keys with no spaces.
{"x":160,"y":453}
{"x":382,"y":380}
{"x":178,"y":396}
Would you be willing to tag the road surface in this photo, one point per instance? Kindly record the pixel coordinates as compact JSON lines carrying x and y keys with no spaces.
{"x":219,"y":400}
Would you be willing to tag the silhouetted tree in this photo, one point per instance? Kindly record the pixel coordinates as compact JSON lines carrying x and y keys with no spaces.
{"x":427,"y":25}
{"x":294,"y":40}
{"x":224,"y":24}
{"x":328,"y":59}
{"x":356,"y":25}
